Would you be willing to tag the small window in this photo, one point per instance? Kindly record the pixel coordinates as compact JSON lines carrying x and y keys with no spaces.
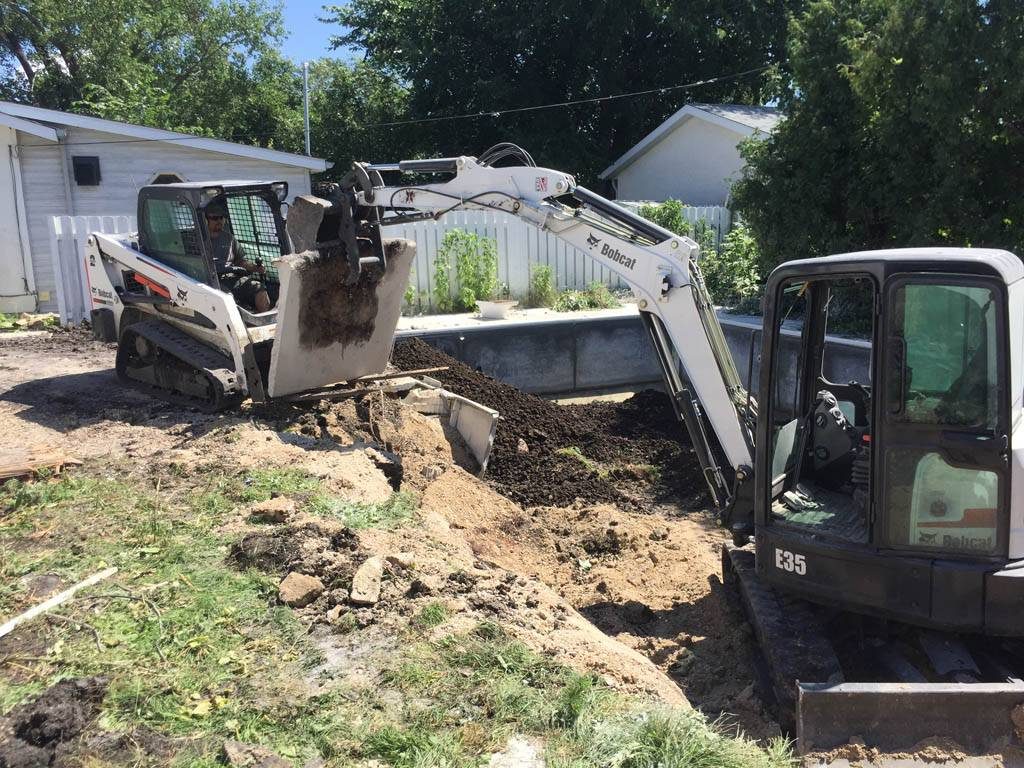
{"x":86,"y":169}
{"x":167,"y":177}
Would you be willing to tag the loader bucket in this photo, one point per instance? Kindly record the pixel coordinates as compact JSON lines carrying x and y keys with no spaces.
{"x":331,"y":329}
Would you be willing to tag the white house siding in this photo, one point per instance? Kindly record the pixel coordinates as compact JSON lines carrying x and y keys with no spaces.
{"x":125,"y":166}
{"x":696,"y":163}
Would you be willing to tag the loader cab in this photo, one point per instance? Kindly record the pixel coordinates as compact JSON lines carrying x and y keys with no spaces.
{"x":173,"y":228}
{"x":883,"y":449}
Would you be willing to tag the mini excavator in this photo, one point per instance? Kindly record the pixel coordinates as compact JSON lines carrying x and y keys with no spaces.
{"x":877,"y":529}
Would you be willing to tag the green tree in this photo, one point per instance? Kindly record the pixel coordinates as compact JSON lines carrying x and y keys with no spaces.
{"x":344,"y":100}
{"x":206,"y":66}
{"x":462,"y":57}
{"x":903,"y":128}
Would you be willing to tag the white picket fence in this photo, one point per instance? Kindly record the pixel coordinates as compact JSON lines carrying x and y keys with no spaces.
{"x":68,"y":235}
{"x":519,"y":245}
{"x":718,"y":217}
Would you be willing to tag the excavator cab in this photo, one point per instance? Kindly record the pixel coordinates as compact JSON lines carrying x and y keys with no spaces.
{"x":173,"y":228}
{"x":883,"y":450}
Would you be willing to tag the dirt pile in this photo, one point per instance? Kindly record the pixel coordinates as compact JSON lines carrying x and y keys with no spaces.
{"x":423,"y":565}
{"x":650,"y":582}
{"x":629,"y":454}
{"x":34,"y":732}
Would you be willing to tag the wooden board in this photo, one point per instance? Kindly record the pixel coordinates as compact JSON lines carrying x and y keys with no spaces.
{"x":27,"y":461}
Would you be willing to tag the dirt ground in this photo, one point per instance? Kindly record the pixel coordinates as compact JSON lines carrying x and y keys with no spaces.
{"x":607,"y":564}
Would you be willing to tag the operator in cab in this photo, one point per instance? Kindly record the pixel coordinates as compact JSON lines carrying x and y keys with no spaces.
{"x":236,"y":273}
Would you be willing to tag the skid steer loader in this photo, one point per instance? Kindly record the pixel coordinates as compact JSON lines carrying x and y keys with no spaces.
{"x":334,"y":285}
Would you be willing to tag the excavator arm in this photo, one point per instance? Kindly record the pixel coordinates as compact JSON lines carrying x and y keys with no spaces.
{"x":661,"y":267}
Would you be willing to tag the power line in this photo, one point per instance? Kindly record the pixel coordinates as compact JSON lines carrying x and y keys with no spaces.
{"x":494,"y":113}
{"x":573,"y":102}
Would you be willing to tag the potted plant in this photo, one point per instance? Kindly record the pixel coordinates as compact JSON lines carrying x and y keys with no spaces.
{"x":497,"y":305}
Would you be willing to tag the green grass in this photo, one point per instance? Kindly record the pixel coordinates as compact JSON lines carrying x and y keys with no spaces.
{"x":198,"y":650}
{"x":431,"y":615}
{"x":193,"y":647}
{"x":397,"y":509}
{"x":485,"y":686}
{"x":574,"y":453}
{"x":9,"y":322}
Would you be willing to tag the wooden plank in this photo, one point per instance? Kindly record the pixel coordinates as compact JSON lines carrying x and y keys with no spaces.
{"x":20,"y":463}
{"x":53,"y":602}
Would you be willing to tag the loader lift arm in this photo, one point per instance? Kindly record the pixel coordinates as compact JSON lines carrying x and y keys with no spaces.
{"x":660,"y":266}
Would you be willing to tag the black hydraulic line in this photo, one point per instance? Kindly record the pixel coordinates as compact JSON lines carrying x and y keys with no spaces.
{"x":680,"y":393}
{"x":621,"y":215}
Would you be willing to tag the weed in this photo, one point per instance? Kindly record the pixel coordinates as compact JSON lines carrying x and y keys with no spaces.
{"x":596,"y":296}
{"x":542,"y":286}
{"x":397,"y":509}
{"x":431,"y":615}
{"x":574,"y":453}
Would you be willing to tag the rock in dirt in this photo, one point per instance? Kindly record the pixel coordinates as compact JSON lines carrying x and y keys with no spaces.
{"x":404,"y":560}
{"x":32,"y":733}
{"x":518,"y":753}
{"x":240,"y":755}
{"x":278,"y":510}
{"x":366,"y":582}
{"x":299,"y":590}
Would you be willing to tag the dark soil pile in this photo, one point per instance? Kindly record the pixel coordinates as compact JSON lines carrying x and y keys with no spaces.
{"x":629,"y":453}
{"x":33,"y":732}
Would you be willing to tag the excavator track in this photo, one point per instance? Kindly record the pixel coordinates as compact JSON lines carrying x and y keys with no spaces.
{"x":163,"y":361}
{"x":792,"y":643}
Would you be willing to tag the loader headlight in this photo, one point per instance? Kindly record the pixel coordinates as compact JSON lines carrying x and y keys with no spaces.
{"x":280,"y":188}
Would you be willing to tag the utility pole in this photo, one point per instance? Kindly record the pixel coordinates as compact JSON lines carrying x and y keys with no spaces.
{"x":305,"y":102}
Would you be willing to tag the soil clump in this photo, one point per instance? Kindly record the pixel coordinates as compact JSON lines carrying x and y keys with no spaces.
{"x":33,"y":733}
{"x":629,"y":454}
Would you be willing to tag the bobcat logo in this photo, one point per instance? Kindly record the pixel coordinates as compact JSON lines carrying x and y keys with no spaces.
{"x":592,"y":241}
{"x":182,"y":294}
{"x":926,"y":538}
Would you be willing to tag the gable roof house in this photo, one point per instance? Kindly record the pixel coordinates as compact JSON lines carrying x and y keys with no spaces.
{"x":63,"y":164}
{"x":693,"y":156}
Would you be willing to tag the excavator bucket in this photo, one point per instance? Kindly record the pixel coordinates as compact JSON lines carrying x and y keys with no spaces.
{"x":333,"y":326}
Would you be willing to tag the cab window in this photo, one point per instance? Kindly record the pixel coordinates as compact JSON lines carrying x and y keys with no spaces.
{"x":173,"y":238}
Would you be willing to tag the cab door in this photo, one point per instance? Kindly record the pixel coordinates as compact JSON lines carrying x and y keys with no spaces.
{"x":943,"y":458}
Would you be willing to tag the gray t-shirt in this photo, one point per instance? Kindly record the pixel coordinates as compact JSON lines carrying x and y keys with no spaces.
{"x":226,"y":250}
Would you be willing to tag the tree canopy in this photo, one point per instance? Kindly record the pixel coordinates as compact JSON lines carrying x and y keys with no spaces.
{"x":206,"y":66}
{"x":467,"y":56}
{"x":905,"y":126}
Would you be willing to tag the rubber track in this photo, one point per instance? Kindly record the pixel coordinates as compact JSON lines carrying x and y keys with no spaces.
{"x":215,"y":365}
{"x":789,"y":636}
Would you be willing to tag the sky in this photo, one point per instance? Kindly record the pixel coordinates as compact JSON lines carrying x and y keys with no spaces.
{"x":308,"y":38}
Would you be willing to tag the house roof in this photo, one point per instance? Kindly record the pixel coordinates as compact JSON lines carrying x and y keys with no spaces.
{"x":741,"y":119}
{"x":39,"y":122}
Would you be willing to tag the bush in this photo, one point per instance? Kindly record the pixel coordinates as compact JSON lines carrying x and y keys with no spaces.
{"x":596,"y":296}
{"x":476,"y":270}
{"x":542,"y":286}
{"x":732,"y":274}
{"x":668,"y":215}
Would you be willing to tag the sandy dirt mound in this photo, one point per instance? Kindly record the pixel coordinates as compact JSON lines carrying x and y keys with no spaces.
{"x":428,"y":561}
{"x":650,"y":581}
